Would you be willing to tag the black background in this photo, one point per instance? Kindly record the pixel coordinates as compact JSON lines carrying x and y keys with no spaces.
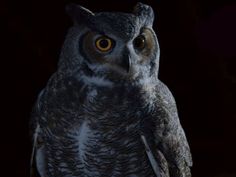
{"x":198,"y":63}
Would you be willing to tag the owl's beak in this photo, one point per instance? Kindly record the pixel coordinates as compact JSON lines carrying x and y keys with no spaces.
{"x":126,"y":63}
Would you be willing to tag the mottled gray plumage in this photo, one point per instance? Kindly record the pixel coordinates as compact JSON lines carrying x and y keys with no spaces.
{"x":105,"y":113}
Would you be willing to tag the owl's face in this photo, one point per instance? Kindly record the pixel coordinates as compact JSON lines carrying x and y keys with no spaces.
{"x":116,"y":45}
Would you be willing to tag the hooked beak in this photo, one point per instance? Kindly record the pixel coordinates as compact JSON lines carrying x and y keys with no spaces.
{"x":126,"y":62}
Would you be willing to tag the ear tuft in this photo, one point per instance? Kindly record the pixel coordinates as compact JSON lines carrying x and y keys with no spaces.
{"x":145,"y":12}
{"x":78,"y":13}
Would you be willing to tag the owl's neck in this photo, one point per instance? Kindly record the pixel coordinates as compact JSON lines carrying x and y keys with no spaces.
{"x":120,"y":92}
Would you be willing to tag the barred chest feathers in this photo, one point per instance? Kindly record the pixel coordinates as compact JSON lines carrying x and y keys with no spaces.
{"x":109,"y":137}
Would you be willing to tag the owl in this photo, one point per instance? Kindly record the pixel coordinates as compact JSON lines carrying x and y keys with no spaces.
{"x":104,"y":112}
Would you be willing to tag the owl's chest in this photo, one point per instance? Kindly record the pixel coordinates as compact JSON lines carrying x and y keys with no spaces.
{"x":118,"y":101}
{"x":112,"y":151}
{"x":113,"y":115}
{"x":117,"y":109}
{"x":111,"y":142}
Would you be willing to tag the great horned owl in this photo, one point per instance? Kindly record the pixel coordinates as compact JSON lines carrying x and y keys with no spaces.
{"x":105,"y":113}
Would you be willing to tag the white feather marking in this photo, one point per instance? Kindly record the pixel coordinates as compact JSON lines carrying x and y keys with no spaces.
{"x":40,"y":161}
{"x":100,"y":81}
{"x":87,"y":10}
{"x":82,"y":139}
{"x":38,"y":153}
{"x":34,"y":148}
{"x":34,"y":144}
{"x":151,"y":158}
{"x":92,"y":94}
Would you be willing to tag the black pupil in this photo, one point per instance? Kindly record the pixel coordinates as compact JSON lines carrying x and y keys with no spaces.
{"x":139,"y":42}
{"x":103,"y":43}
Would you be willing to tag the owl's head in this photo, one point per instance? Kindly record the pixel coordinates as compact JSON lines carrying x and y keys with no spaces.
{"x":114,"y":45}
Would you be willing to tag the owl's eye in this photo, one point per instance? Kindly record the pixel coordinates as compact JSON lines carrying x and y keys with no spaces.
{"x":139,"y":42}
{"x":104,"y":44}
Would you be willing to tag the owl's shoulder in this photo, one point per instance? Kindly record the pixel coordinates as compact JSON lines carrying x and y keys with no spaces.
{"x":164,"y":95}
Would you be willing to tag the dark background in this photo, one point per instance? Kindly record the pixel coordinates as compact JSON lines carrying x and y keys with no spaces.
{"x":198,"y":63}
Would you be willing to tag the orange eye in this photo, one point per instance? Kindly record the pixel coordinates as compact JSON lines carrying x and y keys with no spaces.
{"x":104,"y":44}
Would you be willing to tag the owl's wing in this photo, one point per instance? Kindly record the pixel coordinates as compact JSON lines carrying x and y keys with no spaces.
{"x":37,"y":162}
{"x":67,"y":90}
{"x":169,"y":134}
